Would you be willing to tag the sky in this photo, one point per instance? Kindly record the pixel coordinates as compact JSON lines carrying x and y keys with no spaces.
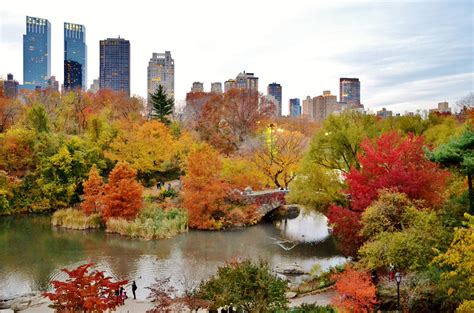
{"x":408,"y":55}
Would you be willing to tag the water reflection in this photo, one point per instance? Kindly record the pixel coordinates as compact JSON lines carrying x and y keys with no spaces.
{"x":32,"y":253}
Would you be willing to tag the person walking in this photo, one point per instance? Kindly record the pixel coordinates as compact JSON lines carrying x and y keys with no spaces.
{"x":134,"y":289}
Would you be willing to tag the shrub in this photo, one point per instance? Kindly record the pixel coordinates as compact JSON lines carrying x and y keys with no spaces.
{"x":312,"y":308}
{"x":75,"y":219}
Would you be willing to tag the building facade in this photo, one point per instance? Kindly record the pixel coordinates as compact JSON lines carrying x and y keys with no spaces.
{"x":384,"y":113}
{"x":229,"y":84}
{"x":324,"y":105}
{"x":197,"y":87}
{"x":115,"y":65}
{"x":295,"y":107}
{"x":10,"y":87}
{"x":160,"y":72}
{"x":307,"y":110}
{"x":275,"y":90}
{"x":246,"y":81}
{"x":349,"y":91}
{"x":94,"y":86}
{"x":75,"y":55}
{"x":36,"y":53}
{"x":216,"y":87}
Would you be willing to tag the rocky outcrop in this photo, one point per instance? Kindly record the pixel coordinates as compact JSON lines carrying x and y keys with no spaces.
{"x":21,"y":302}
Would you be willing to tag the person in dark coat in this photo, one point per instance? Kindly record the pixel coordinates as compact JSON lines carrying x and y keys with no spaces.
{"x":134,"y":289}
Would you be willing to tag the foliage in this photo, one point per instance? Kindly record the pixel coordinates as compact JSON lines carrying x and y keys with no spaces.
{"x":93,"y":193}
{"x":312,"y":308}
{"x":122,"y":194}
{"x":277,"y":153}
{"x":458,"y":263}
{"x":345,"y":226}
{"x":75,"y":219}
{"x":246,"y":286}
{"x":355,"y":291}
{"x":407,"y":246}
{"x":37,"y":119}
{"x":241,"y":173}
{"x":336,"y":145}
{"x":152,"y":223}
{"x":398,"y":163}
{"x":84,"y":291}
{"x":161,"y":105}
{"x":9,"y":111}
{"x":204,"y":190}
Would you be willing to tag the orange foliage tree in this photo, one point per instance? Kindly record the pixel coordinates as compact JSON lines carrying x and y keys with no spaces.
{"x":355,"y":291}
{"x":85,"y":292}
{"x":93,"y":192}
{"x":203,"y":189}
{"x":123,"y":194}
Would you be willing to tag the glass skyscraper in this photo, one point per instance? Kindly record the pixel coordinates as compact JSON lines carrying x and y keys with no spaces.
{"x":115,"y":65}
{"x":36,"y":53}
{"x":295,"y":107}
{"x":349,"y":91}
{"x":75,"y":56}
{"x":274,"y":90}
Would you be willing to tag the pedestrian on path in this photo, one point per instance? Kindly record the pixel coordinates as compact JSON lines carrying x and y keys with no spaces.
{"x":134,"y":289}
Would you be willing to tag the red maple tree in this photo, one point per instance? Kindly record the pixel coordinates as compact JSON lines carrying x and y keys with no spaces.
{"x":85,"y":292}
{"x":123,"y":194}
{"x":396,"y":163}
{"x":355,"y":291}
{"x":346,"y":227}
{"x":93,"y":192}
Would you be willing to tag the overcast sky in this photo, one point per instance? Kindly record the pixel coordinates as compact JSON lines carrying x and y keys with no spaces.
{"x":407,"y":54}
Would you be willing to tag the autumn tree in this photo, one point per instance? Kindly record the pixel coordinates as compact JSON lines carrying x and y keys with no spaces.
{"x":161,"y":105}
{"x":203,"y":188}
{"x":93,"y":192}
{"x":85,"y":291}
{"x":122,"y":194}
{"x":277,"y":153}
{"x":9,"y":112}
{"x":355,"y":291}
{"x":394,"y":162}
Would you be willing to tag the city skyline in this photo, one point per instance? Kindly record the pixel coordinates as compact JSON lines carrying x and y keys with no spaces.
{"x":404,"y":59}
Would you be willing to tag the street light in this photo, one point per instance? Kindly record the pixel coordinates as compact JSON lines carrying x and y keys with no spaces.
{"x":398,"y":278}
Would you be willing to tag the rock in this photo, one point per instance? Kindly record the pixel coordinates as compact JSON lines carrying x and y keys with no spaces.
{"x":290,"y":294}
{"x":293,"y":269}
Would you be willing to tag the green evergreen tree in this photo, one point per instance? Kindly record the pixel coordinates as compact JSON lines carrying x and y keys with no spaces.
{"x":161,"y":106}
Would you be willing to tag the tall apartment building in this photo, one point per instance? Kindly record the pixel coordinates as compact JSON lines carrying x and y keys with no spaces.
{"x":36,"y":53}
{"x":75,"y":56}
{"x":229,"y":84}
{"x":115,"y":65}
{"x":242,"y":81}
{"x":324,"y":105}
{"x":275,"y":91}
{"x":161,"y":72}
{"x":10,"y":87}
{"x":295,"y":107}
{"x":216,"y":87}
{"x":349,"y":91}
{"x":94,"y":86}
{"x":307,"y":110}
{"x":197,"y":87}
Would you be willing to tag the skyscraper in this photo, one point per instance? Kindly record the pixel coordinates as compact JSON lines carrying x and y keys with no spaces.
{"x":115,"y":64}
{"x":349,"y":91}
{"x":308,"y":107}
{"x":75,"y":56}
{"x":197,"y":87}
{"x":216,"y":87}
{"x":229,"y":84}
{"x":161,"y":72}
{"x":72,"y":75}
{"x":36,"y":53}
{"x":10,"y":87}
{"x":275,"y":90}
{"x":324,"y":105}
{"x":246,"y":81}
{"x":295,"y":107}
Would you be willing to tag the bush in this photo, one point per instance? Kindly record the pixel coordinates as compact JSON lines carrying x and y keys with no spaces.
{"x":75,"y":219}
{"x":312,"y":308}
{"x":152,"y":223}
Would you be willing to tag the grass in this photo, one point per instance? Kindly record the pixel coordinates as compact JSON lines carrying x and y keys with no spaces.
{"x":152,"y":223}
{"x":75,"y":219}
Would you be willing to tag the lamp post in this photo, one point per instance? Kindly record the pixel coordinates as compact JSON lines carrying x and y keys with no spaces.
{"x":398,"y":278}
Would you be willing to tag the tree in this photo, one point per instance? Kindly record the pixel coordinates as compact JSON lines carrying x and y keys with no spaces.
{"x":466,"y":102}
{"x":355,"y":291}
{"x":204,"y":190}
{"x":161,"y":105}
{"x":37,"y":119}
{"x":458,"y":263}
{"x":246,"y":286}
{"x":9,"y":111}
{"x":122,"y":194}
{"x":346,"y":227}
{"x":458,"y":154}
{"x":277,"y":154}
{"x":84,"y":291}
{"x":394,"y":162}
{"x":93,"y":192}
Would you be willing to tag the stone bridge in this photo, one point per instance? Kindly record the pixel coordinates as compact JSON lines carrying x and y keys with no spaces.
{"x":266,"y":200}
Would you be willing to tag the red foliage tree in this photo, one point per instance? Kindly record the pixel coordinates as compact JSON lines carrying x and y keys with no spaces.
{"x":93,"y":192}
{"x":123,"y":194}
{"x":203,"y":189}
{"x":346,"y":227}
{"x":84,"y":291}
{"x":355,"y":291}
{"x":396,"y":163}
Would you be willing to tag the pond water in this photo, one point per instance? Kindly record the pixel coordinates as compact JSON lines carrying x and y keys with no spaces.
{"x":32,"y":252}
